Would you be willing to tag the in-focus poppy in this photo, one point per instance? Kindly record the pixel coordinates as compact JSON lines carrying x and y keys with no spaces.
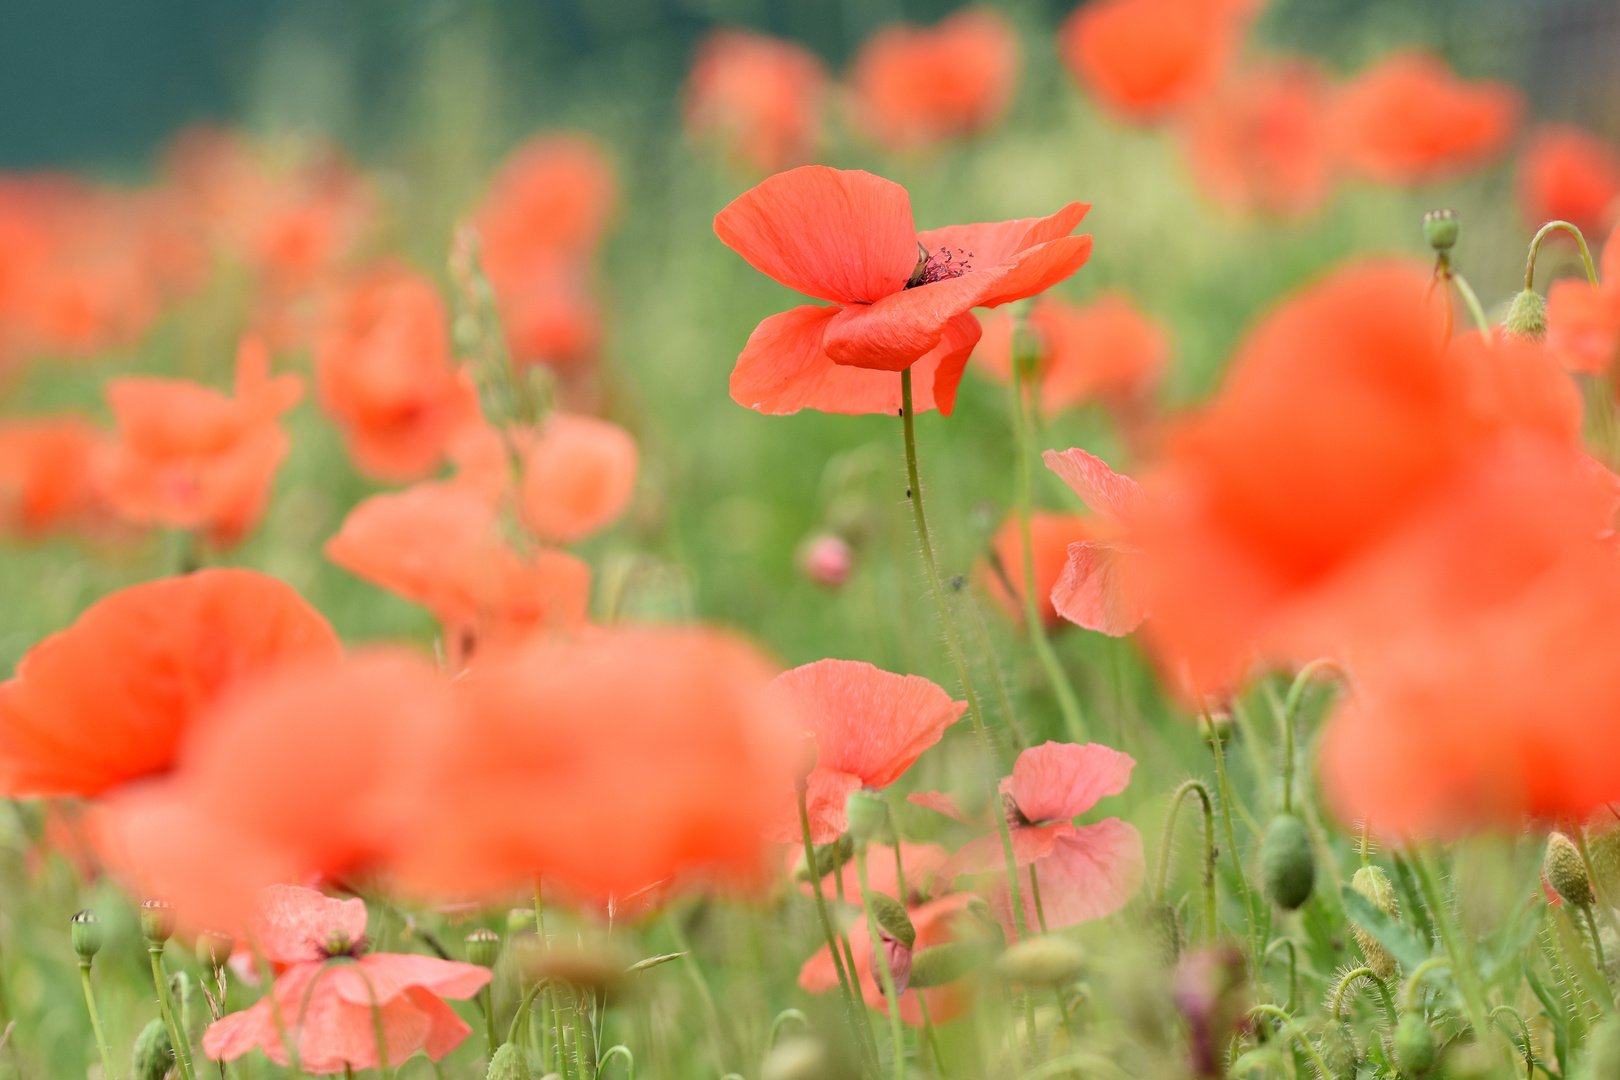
{"x":914,"y":86}
{"x":109,"y":699}
{"x":332,"y":995}
{"x":48,"y":474}
{"x":1104,"y":349}
{"x":1001,"y":574}
{"x":936,"y":924}
{"x":1144,"y":59}
{"x":898,"y":297}
{"x":1569,"y":174}
{"x":188,"y":457}
{"x":579,"y":474}
{"x":1102,"y":584}
{"x":1410,"y":120}
{"x":383,"y":370}
{"x":869,"y":726}
{"x":761,"y":97}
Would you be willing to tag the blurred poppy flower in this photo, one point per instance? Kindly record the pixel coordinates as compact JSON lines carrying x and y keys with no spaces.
{"x":1106,"y":348}
{"x":915,"y":86}
{"x":1083,"y":872}
{"x":899,"y":297}
{"x":1410,"y":120}
{"x":383,"y":371}
{"x":607,"y":764}
{"x":935,"y":923}
{"x":350,"y":736}
{"x":1583,"y":322}
{"x":333,"y":996}
{"x":1261,"y":142}
{"x":920,"y":861}
{"x":1002,"y":573}
{"x":761,"y":97}
{"x":869,"y":725}
{"x":1568,"y":174}
{"x":1102,"y":584}
{"x":110,"y":699}
{"x":188,"y":457}
{"x":579,"y":474}
{"x":1144,"y":59}
{"x":48,"y":474}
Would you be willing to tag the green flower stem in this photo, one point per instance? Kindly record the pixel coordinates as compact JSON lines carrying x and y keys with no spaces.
{"x":1288,"y":717}
{"x":854,"y":976}
{"x":520,"y":1018}
{"x":1462,"y":968}
{"x":95,"y":1020}
{"x":955,"y":646}
{"x":177,"y":1037}
{"x":1535,"y":248}
{"x":1290,"y":1028}
{"x":268,"y":978}
{"x":881,"y":955}
{"x":1035,"y":897}
{"x":484,"y":999}
{"x":981,"y":636}
{"x":813,"y":873}
{"x":695,"y":970}
{"x":928,"y":1031}
{"x":1524,"y":1033}
{"x":1409,"y":992}
{"x":1255,"y":948}
{"x":1475,"y":309}
{"x":1162,"y":875}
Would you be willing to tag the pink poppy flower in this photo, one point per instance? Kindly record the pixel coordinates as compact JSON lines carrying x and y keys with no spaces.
{"x":1101,"y":586}
{"x":935,"y":923}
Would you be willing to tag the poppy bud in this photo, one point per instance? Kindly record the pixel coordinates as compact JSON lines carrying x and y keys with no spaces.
{"x":1339,"y":1051}
{"x":1046,"y":961}
{"x":483,"y":947}
{"x":1415,"y":1049}
{"x":213,"y":949}
{"x":1220,"y":721}
{"x":801,"y":1057}
{"x":508,"y":1063}
{"x":1212,"y":996}
{"x":830,"y":858}
{"x":1566,"y":870}
{"x":1527,"y":317}
{"x":898,"y":956}
{"x":827,"y":560}
{"x":154,"y":1054}
{"x":1162,"y":925}
{"x":157,"y":921}
{"x":892,"y":918}
{"x":866,"y":814}
{"x":1440,"y":229}
{"x":86,"y":932}
{"x":938,"y":965}
{"x":1287,"y":865}
{"x":1374,"y":884}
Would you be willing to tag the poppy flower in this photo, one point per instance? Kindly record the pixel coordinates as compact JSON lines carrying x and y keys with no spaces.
{"x":915,"y":86}
{"x":188,"y":457}
{"x":578,"y":476}
{"x":869,"y":726}
{"x":383,"y":371}
{"x":109,"y":699}
{"x":332,"y":995}
{"x":935,"y":923}
{"x":920,"y":861}
{"x":48,"y":473}
{"x":1002,"y":574}
{"x":1410,"y":120}
{"x":1568,"y":174}
{"x":761,"y":97}
{"x":1083,"y":872}
{"x":898,"y":297}
{"x":1583,"y":322}
{"x":1104,"y":349}
{"x":607,"y":763}
{"x":1261,"y":141}
{"x":1144,"y":59}
{"x":313,"y":771}
{"x":1101,"y":586}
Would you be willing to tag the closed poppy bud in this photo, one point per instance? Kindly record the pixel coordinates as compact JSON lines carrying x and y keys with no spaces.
{"x":892,"y":918}
{"x":154,"y":1054}
{"x":1566,"y":870}
{"x":1415,"y":1049}
{"x":1440,"y":229}
{"x":867,"y":814}
{"x":827,"y":560}
{"x":1286,"y":863}
{"x":939,"y":965}
{"x":483,"y":947}
{"x":1211,"y":994}
{"x":1339,"y":1051}
{"x":830,"y":858}
{"x":214,"y":949}
{"x":897,"y":955}
{"x":1162,"y":925}
{"x":157,"y":921}
{"x":1045,"y":961}
{"x":1527,"y":317}
{"x":1374,"y":884}
{"x":509,"y":1063}
{"x":86,"y":928}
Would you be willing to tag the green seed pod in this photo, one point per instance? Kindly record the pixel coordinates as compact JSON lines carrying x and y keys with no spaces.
{"x":157,"y":921}
{"x":1566,"y":870}
{"x":86,"y":933}
{"x":1374,"y":884}
{"x":867,"y":814}
{"x":483,"y":947}
{"x":1527,"y":317}
{"x":1162,"y":925}
{"x":941,"y":964}
{"x":1286,"y":863}
{"x":892,"y":918}
{"x":830,"y":857}
{"x":1415,"y":1048}
{"x":153,"y":1057}
{"x":509,"y":1063}
{"x":1339,"y":1051}
{"x":1045,"y":961}
{"x":1440,"y":229}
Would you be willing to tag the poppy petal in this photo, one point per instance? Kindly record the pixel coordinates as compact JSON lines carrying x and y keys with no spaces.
{"x":939,"y":802}
{"x":993,"y":242}
{"x":1100,"y":588}
{"x":1091,"y":872}
{"x":1104,"y":491}
{"x":293,"y":924}
{"x":1582,"y":326}
{"x":388,"y":975}
{"x":1055,"y":781}
{"x":986,"y":856}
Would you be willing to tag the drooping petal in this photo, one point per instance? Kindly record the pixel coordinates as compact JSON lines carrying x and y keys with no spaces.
{"x":1055,"y":781}
{"x":1001,"y":572}
{"x":390,"y":974}
{"x":1102,"y":588}
{"x":784,"y":368}
{"x":940,"y":802}
{"x":824,"y":798}
{"x":446,"y":1030}
{"x":1091,"y":872}
{"x":293,"y":924}
{"x":234,"y":1034}
{"x":1105,"y":492}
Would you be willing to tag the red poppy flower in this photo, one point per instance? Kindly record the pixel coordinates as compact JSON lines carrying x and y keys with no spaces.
{"x":109,"y":699}
{"x":935,"y":923}
{"x":762,"y":97}
{"x":1102,"y":584}
{"x":332,"y":995}
{"x":921,"y":863}
{"x":1083,"y":872}
{"x":383,"y":371}
{"x":578,"y":476}
{"x":913,"y":86}
{"x":1571,"y":175}
{"x":1050,"y":536}
{"x":1143,"y":59}
{"x":1261,"y":141}
{"x":1583,"y":323}
{"x":1410,"y":120}
{"x":48,"y":471}
{"x":188,"y":457}
{"x":869,"y":726}
{"x":899,"y":297}
{"x":608,"y":764}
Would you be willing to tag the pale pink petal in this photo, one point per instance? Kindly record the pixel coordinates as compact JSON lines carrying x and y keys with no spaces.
{"x":446,"y":1030}
{"x":827,"y":792}
{"x":234,"y":1034}
{"x":941,"y":803}
{"x":1101,"y":587}
{"x":391,"y":974}
{"x":986,"y":855}
{"x":1092,"y":872}
{"x":1055,"y":781}
{"x":1108,"y":493}
{"x":293,"y":924}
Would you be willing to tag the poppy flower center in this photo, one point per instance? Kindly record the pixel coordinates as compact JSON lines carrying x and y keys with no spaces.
{"x":339,"y":943}
{"x":939,"y":265}
{"x":1015,"y":817}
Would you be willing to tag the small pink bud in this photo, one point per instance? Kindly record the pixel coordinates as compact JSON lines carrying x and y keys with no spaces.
{"x":899,"y":962}
{"x":827,"y":560}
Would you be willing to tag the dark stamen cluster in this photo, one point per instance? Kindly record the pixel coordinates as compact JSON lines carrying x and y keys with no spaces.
{"x":1015,"y":817}
{"x":339,"y":944}
{"x":939,"y":265}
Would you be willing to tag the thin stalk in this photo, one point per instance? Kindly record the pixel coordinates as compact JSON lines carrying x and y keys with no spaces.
{"x":855,"y":978}
{"x":695,"y":970}
{"x":1231,"y":840}
{"x":1342,"y":986}
{"x":1524,"y":1033}
{"x":821,"y":903}
{"x":95,"y":1020}
{"x":899,"y":863}
{"x":1475,"y":309}
{"x":177,"y":1037}
{"x":1409,"y":992}
{"x":1161,"y":877}
{"x":1035,"y":897}
{"x":484,"y":999}
{"x":1290,"y":1028}
{"x":521,"y":1017}
{"x":881,"y":955}
{"x":268,"y":978}
{"x":1462,"y":969}
{"x":928,"y":1031}
{"x":997,"y":682}
{"x":954,"y":644}
{"x":1597,"y":939}
{"x":1535,"y":248}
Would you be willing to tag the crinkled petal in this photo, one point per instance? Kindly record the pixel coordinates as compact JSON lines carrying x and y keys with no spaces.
{"x":991,"y":243}
{"x":293,"y":924}
{"x":390,"y":974}
{"x":984,"y":855}
{"x":1091,"y":872}
{"x":1104,"y":491}
{"x":1101,"y":587}
{"x":1055,"y":781}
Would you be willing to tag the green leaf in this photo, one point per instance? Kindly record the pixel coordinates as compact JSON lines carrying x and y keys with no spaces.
{"x":1390,"y":933}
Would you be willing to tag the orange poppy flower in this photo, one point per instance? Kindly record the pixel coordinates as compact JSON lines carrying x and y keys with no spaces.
{"x":48,"y":471}
{"x":1106,"y":348}
{"x":608,"y":764}
{"x":1583,"y":323}
{"x":110,"y":699}
{"x":913,"y":86}
{"x":1050,"y":536}
{"x":1569,"y":174}
{"x":1101,"y":585}
{"x":899,"y":297}
{"x":579,"y":474}
{"x":383,"y":371}
{"x":869,"y":726}
{"x":188,"y":457}
{"x":761,"y":97}
{"x":332,"y":995}
{"x":1410,"y":120}
{"x":1261,"y":141}
{"x":935,"y":923}
{"x":1144,"y":59}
